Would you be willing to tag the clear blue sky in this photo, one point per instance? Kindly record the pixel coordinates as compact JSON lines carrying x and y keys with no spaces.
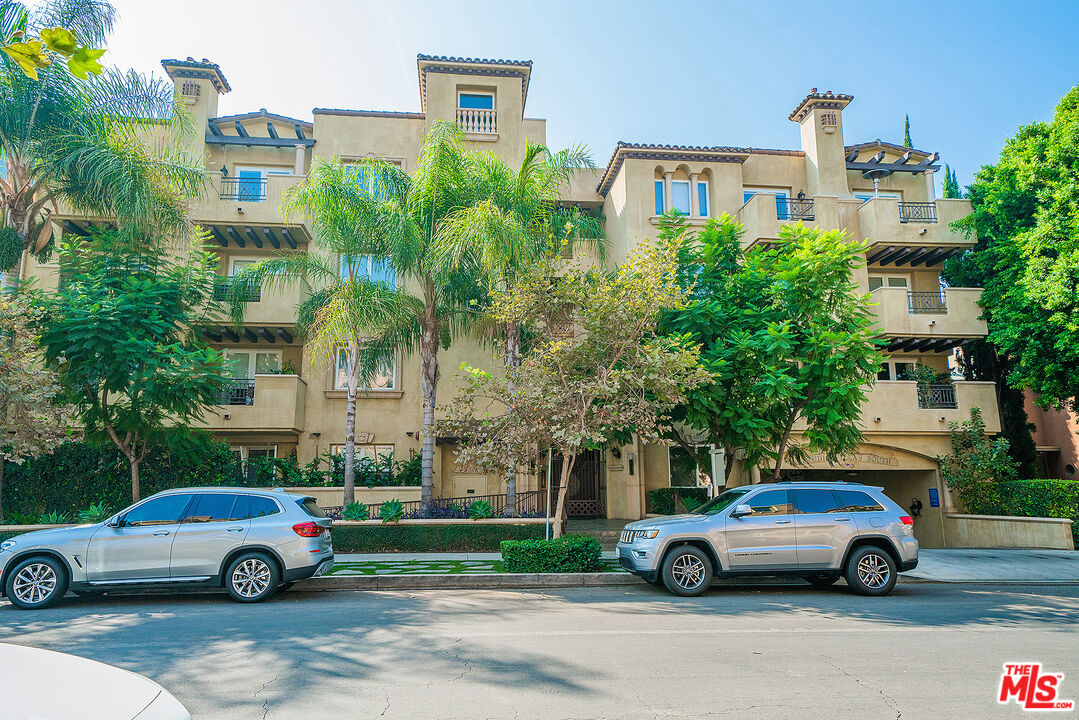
{"x":694,"y":73}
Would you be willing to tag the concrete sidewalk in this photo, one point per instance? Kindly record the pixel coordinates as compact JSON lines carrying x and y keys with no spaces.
{"x":946,"y":566}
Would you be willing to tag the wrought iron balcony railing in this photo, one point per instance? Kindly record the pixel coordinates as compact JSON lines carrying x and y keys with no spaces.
{"x":937,"y":396}
{"x":246,"y":189}
{"x":919,"y":212}
{"x":794,"y":209}
{"x":221,"y":290}
{"x":927,"y":303}
{"x":238,"y":391}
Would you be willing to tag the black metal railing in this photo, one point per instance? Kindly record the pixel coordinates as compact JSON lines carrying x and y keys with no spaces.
{"x":794,"y":208}
{"x":222,"y":286}
{"x":530,"y":503}
{"x":921,"y":212}
{"x":926,"y":303}
{"x":937,"y":396}
{"x":238,"y":391}
{"x":246,"y":189}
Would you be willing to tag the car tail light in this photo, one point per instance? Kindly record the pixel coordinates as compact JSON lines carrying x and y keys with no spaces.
{"x":907,"y":520}
{"x":307,"y":529}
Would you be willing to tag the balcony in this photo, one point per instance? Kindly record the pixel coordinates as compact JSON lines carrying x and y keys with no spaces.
{"x":265,"y":403}
{"x":928,"y":321}
{"x":904,"y":406}
{"x":223,"y":285}
{"x":912,"y":233}
{"x":765,"y":214}
{"x":246,"y":213}
{"x":478,"y":124}
{"x":269,"y":305}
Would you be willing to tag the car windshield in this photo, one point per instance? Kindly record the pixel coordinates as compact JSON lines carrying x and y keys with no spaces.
{"x":717,"y":504}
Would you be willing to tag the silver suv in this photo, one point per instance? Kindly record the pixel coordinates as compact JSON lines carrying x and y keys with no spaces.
{"x":250,"y":541}
{"x":818,"y":531}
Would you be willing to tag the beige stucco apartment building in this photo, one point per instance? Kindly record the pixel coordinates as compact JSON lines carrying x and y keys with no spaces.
{"x":285,"y":402}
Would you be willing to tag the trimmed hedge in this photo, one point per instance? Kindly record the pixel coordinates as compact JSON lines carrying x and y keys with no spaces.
{"x":567,"y":554}
{"x":1039,"y":498}
{"x":78,"y":475}
{"x":662,"y":499}
{"x":468,"y":536}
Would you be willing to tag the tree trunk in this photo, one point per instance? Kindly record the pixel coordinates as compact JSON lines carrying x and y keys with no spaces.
{"x":429,"y":382}
{"x":2,"y":461}
{"x":135,"y":491}
{"x":563,"y":486}
{"x":512,"y":360}
{"x":352,"y":369}
{"x":783,"y":443}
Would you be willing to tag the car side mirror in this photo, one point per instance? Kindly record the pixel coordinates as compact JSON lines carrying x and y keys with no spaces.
{"x":741,"y":511}
{"x":115,"y":523}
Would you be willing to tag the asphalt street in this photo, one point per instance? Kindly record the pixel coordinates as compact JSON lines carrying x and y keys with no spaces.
{"x":928,"y":651}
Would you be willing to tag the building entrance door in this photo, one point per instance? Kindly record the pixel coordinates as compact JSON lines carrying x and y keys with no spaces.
{"x":587,"y":493}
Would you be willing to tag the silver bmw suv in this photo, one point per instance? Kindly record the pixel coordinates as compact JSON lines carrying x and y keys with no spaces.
{"x":250,"y":541}
{"x":818,"y":531}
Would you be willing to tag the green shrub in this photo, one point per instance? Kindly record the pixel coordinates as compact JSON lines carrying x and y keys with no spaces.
{"x":355,"y":511}
{"x":662,"y":499}
{"x":12,"y":517}
{"x":567,"y":554}
{"x":450,"y":537}
{"x":480,"y":510}
{"x":98,"y":512}
{"x":54,"y":517}
{"x":391,"y":511}
{"x":1036,"y":498}
{"x":78,"y":474}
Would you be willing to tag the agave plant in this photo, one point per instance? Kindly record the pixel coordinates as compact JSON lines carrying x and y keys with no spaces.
{"x":55,"y":517}
{"x":480,"y":510}
{"x":355,"y":511}
{"x":98,"y":512}
{"x":391,"y":511}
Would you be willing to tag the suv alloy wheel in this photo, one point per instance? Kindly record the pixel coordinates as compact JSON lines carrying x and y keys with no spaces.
{"x":37,"y":582}
{"x":252,"y":577}
{"x":871,"y":571}
{"x":687,"y":571}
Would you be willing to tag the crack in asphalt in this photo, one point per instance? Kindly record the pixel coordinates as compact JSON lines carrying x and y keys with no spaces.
{"x":888,"y":699}
{"x":266,"y":702}
{"x":387,"y":708}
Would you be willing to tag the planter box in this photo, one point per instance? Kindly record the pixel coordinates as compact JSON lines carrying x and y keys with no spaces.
{"x":1000,"y":531}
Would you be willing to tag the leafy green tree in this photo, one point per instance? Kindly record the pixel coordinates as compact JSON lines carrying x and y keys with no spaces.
{"x":118,"y":331}
{"x":35,"y":52}
{"x":34,"y":422}
{"x":608,"y":377}
{"x":512,"y":221}
{"x":1026,"y":217}
{"x":977,"y":465}
{"x":786,"y":336}
{"x":70,"y":137}
{"x":347,"y":307}
{"x":906,"y":132}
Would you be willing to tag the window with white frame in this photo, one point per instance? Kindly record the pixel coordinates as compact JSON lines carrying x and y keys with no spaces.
{"x":897,"y":369}
{"x":900,"y":281}
{"x":475,"y":100}
{"x":661,"y":203}
{"x":372,"y":267}
{"x":247,"y":363}
{"x":384,"y":377}
{"x":681,"y":197}
{"x":864,"y":195}
{"x":702,"y":198}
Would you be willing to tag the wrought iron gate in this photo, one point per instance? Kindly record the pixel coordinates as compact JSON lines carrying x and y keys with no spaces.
{"x":587,"y":493}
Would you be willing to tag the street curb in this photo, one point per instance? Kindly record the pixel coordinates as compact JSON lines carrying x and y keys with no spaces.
{"x":496,"y":581}
{"x":519,"y":581}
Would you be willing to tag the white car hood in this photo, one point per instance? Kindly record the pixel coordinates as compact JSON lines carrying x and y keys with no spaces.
{"x":40,"y":684}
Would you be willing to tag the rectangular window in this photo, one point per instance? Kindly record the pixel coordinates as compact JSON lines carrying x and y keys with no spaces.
{"x":476,"y":101}
{"x":781,"y":207}
{"x":659,"y":198}
{"x":680,"y":196}
{"x":248,"y":363}
{"x":702,"y":198}
{"x":384,"y":378}
{"x":899,"y":281}
{"x":864,"y":195}
{"x":372,"y":267}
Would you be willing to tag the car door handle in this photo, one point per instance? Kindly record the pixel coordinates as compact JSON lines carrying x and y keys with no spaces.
{"x":239,"y":529}
{"x":783,"y":522}
{"x":842,"y":519}
{"x":162,"y":532}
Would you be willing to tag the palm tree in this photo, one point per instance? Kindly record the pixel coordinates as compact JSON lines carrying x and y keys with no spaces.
{"x":346,"y":308}
{"x":105,"y":145}
{"x":514,"y":219}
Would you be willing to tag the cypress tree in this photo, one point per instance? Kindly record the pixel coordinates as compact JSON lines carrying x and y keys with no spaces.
{"x":906,"y":133}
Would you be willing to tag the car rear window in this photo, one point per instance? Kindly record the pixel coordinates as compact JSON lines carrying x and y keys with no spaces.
{"x":857,"y":501}
{"x":311,"y":507}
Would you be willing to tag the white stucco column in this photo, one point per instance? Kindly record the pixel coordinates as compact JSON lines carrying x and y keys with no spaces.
{"x":667,"y":191}
{"x":694,"y":209}
{"x":930,"y":187}
{"x":300,"y":149}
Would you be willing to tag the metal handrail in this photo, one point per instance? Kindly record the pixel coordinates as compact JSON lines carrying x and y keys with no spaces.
{"x":221,"y":290}
{"x":238,"y":391}
{"x":794,"y":208}
{"x":924,"y":212}
{"x":240,"y":188}
{"x":926,"y":303}
{"x":937,"y":397}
